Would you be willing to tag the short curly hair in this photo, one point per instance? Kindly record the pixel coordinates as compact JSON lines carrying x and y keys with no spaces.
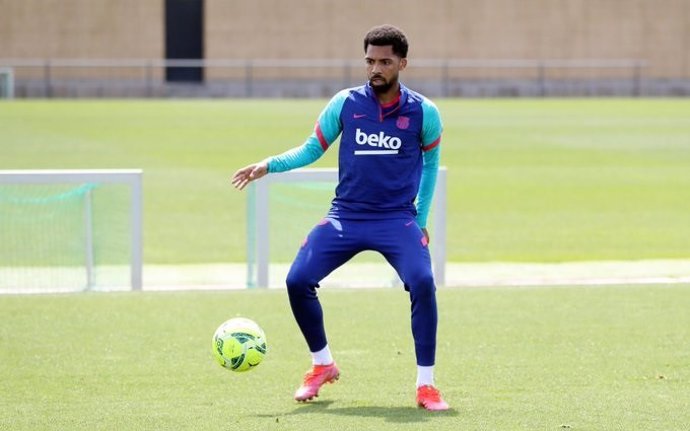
{"x":384,"y":35}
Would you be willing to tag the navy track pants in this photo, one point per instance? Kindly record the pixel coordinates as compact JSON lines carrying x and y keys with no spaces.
{"x":333,"y":242}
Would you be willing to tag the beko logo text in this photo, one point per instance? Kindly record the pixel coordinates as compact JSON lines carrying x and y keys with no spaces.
{"x":381,"y":140}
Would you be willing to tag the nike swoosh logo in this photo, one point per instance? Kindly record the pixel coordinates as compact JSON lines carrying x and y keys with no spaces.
{"x":359,"y":116}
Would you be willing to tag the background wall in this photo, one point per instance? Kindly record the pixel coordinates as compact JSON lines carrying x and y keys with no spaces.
{"x":81,"y":29}
{"x":656,"y":31}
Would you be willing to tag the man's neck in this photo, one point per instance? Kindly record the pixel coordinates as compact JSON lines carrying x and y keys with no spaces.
{"x":389,"y":96}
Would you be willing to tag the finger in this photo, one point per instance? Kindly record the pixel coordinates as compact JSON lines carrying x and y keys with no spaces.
{"x":243,"y":170}
{"x":241,"y":174}
{"x":245,"y":181}
{"x":237,"y":178}
{"x":255,"y":173}
{"x":236,"y":181}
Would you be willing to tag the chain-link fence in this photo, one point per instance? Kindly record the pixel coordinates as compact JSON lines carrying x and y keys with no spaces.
{"x":322,"y":78}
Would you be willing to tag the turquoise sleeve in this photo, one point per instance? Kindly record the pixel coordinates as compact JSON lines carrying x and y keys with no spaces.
{"x":326,"y":131}
{"x":427,"y":185}
{"x":432,"y":128}
{"x":295,"y":158}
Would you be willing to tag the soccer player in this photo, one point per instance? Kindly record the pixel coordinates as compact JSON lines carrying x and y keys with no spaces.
{"x":388,"y":160}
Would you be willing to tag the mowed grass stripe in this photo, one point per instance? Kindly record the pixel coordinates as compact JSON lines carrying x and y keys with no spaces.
{"x":606,"y":358}
{"x":529,"y":180}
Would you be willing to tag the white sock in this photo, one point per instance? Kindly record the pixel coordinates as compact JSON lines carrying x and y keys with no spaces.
{"x":322,"y":357}
{"x":425,"y":375}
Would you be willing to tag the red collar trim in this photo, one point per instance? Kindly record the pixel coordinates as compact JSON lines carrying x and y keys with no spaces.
{"x":391,"y":103}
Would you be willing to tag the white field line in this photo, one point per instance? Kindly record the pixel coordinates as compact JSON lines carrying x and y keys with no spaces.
{"x":353,"y":275}
{"x":233,"y":276}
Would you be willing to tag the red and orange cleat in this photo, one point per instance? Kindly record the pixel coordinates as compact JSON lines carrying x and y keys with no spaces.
{"x":314,"y":379}
{"x":430,"y":398}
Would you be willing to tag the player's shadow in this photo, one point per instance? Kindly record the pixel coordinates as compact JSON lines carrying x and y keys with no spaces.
{"x":389,"y":414}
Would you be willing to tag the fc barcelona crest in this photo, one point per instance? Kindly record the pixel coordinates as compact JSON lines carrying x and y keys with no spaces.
{"x":403,"y":122}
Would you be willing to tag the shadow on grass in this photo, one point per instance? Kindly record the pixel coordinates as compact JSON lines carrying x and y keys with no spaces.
{"x":389,"y":414}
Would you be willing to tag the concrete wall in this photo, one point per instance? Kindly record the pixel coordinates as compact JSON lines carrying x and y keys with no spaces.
{"x":81,"y":29}
{"x":655,"y":30}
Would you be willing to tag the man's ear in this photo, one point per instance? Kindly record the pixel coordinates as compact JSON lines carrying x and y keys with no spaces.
{"x":403,"y":64}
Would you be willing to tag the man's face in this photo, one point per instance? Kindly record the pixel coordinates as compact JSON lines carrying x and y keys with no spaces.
{"x":383,"y":67}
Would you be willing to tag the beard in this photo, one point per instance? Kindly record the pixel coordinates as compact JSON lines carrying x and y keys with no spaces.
{"x":381,"y":86}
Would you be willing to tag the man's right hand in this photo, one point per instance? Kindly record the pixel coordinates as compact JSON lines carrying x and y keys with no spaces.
{"x":248,"y":174}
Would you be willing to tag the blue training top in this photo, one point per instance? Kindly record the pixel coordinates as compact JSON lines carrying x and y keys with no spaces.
{"x":389,"y":155}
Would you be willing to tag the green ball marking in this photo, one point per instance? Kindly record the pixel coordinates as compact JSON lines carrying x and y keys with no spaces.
{"x":238,"y":348}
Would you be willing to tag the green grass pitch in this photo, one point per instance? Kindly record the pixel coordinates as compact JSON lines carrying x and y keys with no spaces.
{"x":608,"y":358}
{"x":529,"y":180}
{"x":533,"y":181}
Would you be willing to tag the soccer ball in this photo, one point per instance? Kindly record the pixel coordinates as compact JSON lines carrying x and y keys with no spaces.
{"x":239,"y":344}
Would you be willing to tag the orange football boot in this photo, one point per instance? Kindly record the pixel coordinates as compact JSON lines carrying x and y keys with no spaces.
{"x":430,"y":398}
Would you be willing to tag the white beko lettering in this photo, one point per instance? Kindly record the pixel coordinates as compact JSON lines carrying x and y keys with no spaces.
{"x":391,"y":143}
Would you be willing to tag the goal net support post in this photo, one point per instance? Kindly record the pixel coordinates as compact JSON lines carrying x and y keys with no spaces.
{"x":259,"y":206}
{"x":6,"y":83}
{"x":20,"y":206}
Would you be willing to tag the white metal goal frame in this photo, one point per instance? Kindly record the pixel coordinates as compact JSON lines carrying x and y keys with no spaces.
{"x":129,"y":177}
{"x":258,"y":240}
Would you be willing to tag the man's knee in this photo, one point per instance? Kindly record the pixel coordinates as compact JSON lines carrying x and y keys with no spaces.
{"x":422,"y":285}
{"x":298,"y":283}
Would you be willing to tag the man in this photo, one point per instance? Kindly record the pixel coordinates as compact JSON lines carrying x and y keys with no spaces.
{"x":388,"y":157}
